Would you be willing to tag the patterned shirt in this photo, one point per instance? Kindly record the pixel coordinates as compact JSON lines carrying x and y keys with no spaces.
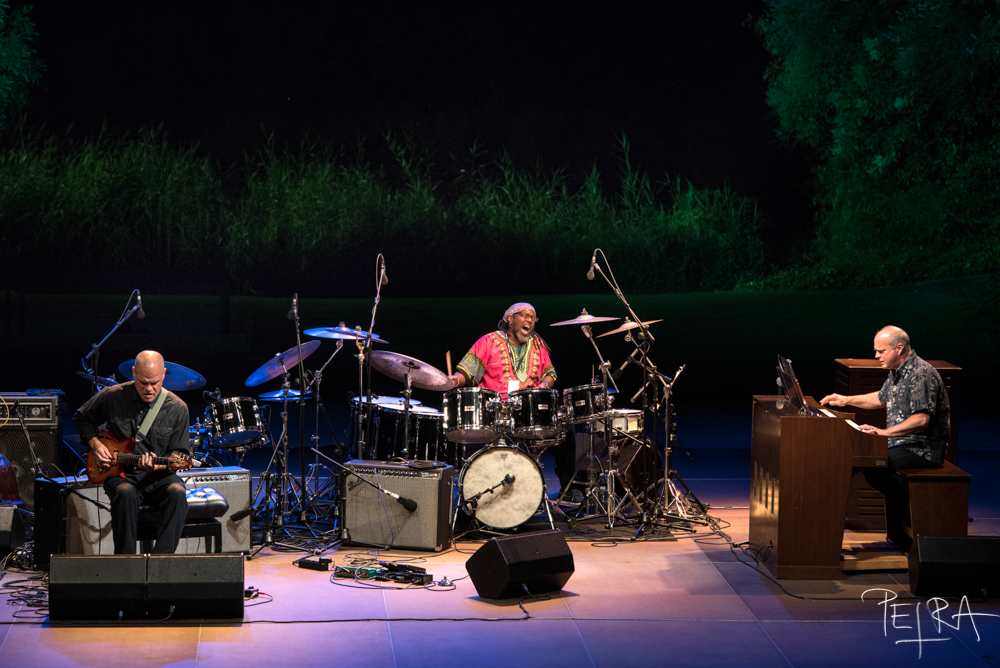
{"x":916,"y":387}
{"x":489,"y":363}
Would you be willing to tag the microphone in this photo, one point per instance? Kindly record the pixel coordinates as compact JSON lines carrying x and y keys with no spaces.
{"x":628,"y":359}
{"x":293,"y":313}
{"x":385,"y":279}
{"x":508,"y":479}
{"x":237,"y":516}
{"x":593,"y":261}
{"x":409,"y":504}
{"x":140,"y":313}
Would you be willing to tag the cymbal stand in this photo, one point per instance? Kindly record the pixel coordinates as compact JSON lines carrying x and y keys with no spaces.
{"x":285,"y":480}
{"x":316,"y":382}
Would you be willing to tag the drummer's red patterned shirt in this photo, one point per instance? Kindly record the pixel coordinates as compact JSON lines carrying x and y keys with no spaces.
{"x":489,"y":363}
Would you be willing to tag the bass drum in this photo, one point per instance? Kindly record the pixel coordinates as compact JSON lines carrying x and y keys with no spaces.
{"x":509,"y":505}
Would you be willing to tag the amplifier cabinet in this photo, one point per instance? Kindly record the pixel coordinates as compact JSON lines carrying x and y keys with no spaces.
{"x":41,"y":417}
{"x":88,"y":527}
{"x":373,"y":518}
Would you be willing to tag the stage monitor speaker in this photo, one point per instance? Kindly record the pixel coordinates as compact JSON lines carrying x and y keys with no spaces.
{"x":203,"y":586}
{"x":11,"y":529}
{"x":504,"y":566}
{"x":41,"y":417}
{"x":955,"y":566}
{"x":373,"y":518}
{"x":97,"y":588}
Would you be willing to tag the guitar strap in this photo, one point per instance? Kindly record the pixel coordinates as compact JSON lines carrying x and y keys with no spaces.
{"x":150,"y":417}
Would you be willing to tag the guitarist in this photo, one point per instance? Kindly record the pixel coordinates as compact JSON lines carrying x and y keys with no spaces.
{"x":124,"y":407}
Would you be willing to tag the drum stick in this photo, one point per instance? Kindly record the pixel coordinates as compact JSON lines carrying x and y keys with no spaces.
{"x":447,"y":359}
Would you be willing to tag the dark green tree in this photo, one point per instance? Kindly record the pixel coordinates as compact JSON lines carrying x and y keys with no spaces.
{"x":19,"y":70}
{"x":900,"y":101}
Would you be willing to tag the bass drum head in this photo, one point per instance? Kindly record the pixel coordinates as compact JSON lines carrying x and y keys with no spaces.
{"x":509,"y":505}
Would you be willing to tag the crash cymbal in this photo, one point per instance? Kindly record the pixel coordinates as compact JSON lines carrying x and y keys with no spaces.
{"x":627,"y":325}
{"x":281,"y":363}
{"x":342,"y":332}
{"x":178,"y":378}
{"x":101,"y":381}
{"x":583,"y":319}
{"x":421,"y":374}
{"x":293,"y":395}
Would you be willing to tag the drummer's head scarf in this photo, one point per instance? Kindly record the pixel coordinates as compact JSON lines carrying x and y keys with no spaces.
{"x":504,"y":324}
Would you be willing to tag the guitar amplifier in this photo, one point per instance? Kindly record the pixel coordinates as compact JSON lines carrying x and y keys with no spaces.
{"x":373,"y":518}
{"x":88,"y":527}
{"x":41,"y":417}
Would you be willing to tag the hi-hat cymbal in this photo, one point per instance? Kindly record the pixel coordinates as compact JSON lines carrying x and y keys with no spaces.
{"x":627,"y":325}
{"x":277,"y":395}
{"x":421,"y":374}
{"x":281,"y":363}
{"x":583,"y":319}
{"x":100,"y":380}
{"x":178,"y":378}
{"x":341,"y":331}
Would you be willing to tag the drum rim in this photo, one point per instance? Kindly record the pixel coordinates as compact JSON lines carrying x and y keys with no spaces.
{"x":530,"y":390}
{"x":580,"y":387}
{"x":458,"y":390}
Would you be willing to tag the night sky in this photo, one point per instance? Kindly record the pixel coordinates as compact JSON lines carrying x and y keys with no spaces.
{"x":557,"y":83}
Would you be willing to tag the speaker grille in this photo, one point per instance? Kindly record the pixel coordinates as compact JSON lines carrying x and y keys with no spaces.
{"x":373,"y":518}
{"x":45,"y":430}
{"x":205,"y":586}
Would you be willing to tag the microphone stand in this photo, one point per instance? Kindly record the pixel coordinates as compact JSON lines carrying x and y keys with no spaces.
{"x":363,"y":349}
{"x":95,"y":349}
{"x":306,"y":502}
{"x":316,"y":381}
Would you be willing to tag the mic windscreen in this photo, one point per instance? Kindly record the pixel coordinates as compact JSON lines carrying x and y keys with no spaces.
{"x":237,"y":516}
{"x":409,"y":504}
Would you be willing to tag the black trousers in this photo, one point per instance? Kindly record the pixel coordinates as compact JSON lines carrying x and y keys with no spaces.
{"x":884,"y":481}
{"x":167,"y":494}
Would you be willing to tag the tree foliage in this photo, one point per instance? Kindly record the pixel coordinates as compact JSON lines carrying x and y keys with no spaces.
{"x":19,"y":70}
{"x":899,"y":99}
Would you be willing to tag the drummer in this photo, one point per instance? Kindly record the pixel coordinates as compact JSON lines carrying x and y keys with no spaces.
{"x":512,"y":358}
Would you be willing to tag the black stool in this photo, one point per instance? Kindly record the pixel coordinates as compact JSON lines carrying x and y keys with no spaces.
{"x":204,"y":506}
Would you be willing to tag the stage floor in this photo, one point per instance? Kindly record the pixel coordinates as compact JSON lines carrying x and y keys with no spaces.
{"x":683,"y":602}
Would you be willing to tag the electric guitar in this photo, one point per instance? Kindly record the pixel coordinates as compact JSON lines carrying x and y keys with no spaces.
{"x":121,"y":456}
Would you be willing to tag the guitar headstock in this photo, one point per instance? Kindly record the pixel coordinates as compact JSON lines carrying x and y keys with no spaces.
{"x":180,"y":462}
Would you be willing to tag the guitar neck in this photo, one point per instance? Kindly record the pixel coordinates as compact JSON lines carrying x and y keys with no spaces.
{"x":133,"y":460}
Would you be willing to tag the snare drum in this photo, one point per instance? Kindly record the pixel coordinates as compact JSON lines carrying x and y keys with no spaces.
{"x":234,"y":421}
{"x":624,"y":420}
{"x":535,"y":412}
{"x":509,"y":505}
{"x":470,"y":413}
{"x":585,"y":402}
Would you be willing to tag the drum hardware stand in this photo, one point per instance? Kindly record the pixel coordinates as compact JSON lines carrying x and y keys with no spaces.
{"x":316,"y":381}
{"x":278,"y":510}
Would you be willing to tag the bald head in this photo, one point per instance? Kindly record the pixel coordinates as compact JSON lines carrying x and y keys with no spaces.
{"x":892,"y":347}
{"x":148,"y":371}
{"x":895,"y":336}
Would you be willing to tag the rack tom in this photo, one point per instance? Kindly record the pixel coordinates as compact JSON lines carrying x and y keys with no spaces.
{"x":234,"y":421}
{"x":470,"y":414}
{"x":535,"y":412}
{"x":585,"y":402}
